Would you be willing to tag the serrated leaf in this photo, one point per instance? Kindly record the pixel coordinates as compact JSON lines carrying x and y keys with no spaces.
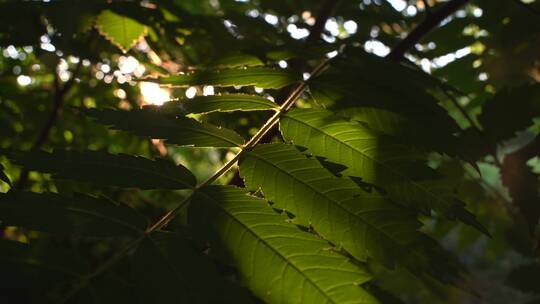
{"x":378,"y":119}
{"x":376,"y":159}
{"x":120,"y":30}
{"x":413,"y":133}
{"x":182,"y":131}
{"x":509,"y":111}
{"x":363,"y":223}
{"x":237,"y":60}
{"x":3,"y":176}
{"x":218,"y":103}
{"x":390,"y":86}
{"x":102,"y":168}
{"x":80,"y":214}
{"x":169,"y":270}
{"x":276,"y":260}
{"x":262,"y":77}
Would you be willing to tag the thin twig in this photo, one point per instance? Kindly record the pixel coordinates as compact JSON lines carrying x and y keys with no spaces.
{"x":531,"y":9}
{"x":165,"y":219}
{"x":60,"y":93}
{"x":464,"y":113}
{"x":427,"y":7}
{"x":326,"y":10}
{"x":297,"y":64}
{"x":424,"y":28}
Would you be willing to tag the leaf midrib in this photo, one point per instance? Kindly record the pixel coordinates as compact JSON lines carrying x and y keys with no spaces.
{"x":203,"y":131}
{"x":116,"y":165}
{"x":235,"y":98}
{"x":97,"y":215}
{"x":382,"y":164}
{"x":329,"y":199}
{"x":307,"y":278}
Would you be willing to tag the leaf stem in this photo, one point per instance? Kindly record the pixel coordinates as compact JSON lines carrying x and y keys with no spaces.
{"x":165,"y":219}
{"x":270,"y":123}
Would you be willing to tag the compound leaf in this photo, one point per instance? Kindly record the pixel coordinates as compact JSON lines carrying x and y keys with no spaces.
{"x":80,"y":214}
{"x":102,"y":168}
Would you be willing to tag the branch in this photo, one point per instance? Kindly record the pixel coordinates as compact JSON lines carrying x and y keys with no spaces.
{"x":426,"y":26}
{"x":326,"y":10}
{"x":427,"y":7}
{"x":165,"y":219}
{"x":58,"y":102}
{"x":528,"y":7}
{"x":462,"y":110}
{"x":296,"y":64}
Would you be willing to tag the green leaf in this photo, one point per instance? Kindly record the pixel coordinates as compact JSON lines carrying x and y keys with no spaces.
{"x":44,"y":258}
{"x":31,"y":271}
{"x":377,"y":160}
{"x":262,"y":77}
{"x":169,"y":270}
{"x":277,"y":261}
{"x":182,"y":131}
{"x":236,"y":60}
{"x":80,"y":214}
{"x":3,"y":176}
{"x":363,"y":223}
{"x":413,"y":133}
{"x":102,"y":168}
{"x":377,"y":119}
{"x":218,"y":103}
{"x":391,"y":86}
{"x":509,"y":111}
{"x":121,"y":31}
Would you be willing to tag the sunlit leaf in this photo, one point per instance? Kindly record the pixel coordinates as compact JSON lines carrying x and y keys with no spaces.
{"x":237,"y":60}
{"x":3,"y":176}
{"x":120,"y":30}
{"x":262,"y":77}
{"x":277,"y":261}
{"x":376,"y":159}
{"x":363,"y":222}
{"x":218,"y":103}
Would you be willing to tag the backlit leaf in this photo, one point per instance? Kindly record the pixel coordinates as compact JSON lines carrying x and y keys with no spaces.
{"x":361,"y":221}
{"x":262,"y":77}
{"x":277,"y":261}
{"x":122,"y":31}
{"x":376,"y":159}
{"x":218,"y":103}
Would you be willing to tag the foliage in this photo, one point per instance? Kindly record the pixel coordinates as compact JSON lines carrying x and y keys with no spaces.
{"x":270,"y":151}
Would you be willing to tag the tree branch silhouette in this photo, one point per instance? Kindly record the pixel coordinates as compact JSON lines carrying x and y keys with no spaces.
{"x":59,"y":95}
{"x":432,"y":21}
